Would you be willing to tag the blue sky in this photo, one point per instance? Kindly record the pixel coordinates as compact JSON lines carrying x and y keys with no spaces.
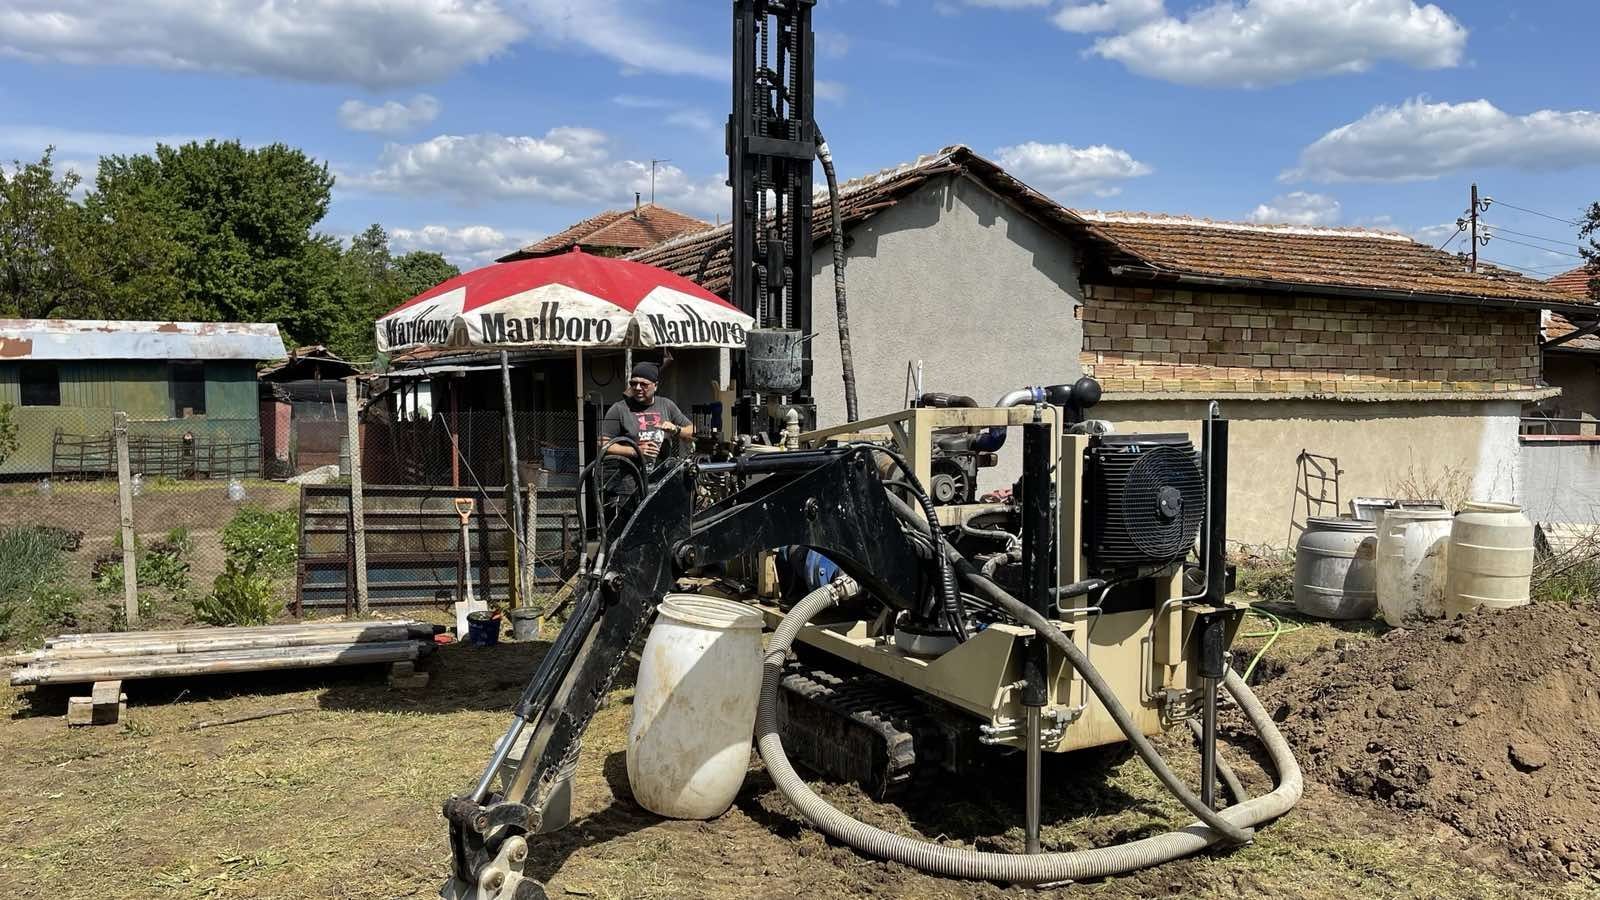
{"x":470,"y":126}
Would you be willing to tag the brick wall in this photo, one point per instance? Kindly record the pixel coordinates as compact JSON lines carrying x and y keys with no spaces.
{"x":1170,"y":341}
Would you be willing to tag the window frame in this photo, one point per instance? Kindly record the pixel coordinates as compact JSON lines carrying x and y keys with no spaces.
{"x":174,"y":381}
{"x":25,"y":385}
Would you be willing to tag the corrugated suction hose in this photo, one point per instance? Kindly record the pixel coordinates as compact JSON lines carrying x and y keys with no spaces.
{"x":1041,"y":868}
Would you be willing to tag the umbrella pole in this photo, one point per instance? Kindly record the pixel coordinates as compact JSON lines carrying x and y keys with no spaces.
{"x":583,"y":516}
{"x":512,"y":479}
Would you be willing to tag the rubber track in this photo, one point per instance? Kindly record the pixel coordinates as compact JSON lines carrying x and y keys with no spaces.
{"x":853,"y":726}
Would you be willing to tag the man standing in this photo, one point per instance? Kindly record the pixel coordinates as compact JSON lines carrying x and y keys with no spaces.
{"x":650,"y":420}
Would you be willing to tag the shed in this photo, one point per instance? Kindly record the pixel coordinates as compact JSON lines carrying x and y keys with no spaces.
{"x":191,"y":385}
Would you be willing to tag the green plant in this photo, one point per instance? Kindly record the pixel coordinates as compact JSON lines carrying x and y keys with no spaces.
{"x":166,"y":565}
{"x":53,"y":607}
{"x":266,"y":539}
{"x":32,"y":565}
{"x":241,"y":595}
{"x":106,"y":573}
{"x":1268,"y":574}
{"x":8,"y":432}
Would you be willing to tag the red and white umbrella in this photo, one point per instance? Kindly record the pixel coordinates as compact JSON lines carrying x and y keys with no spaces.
{"x":573,"y":300}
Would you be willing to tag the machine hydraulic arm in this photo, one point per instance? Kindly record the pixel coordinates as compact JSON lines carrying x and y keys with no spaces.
{"x":830,"y":500}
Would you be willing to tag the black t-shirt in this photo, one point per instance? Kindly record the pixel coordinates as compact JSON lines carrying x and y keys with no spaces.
{"x":642,"y":422}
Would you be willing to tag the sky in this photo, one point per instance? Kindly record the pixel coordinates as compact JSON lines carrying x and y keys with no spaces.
{"x":471,"y":127}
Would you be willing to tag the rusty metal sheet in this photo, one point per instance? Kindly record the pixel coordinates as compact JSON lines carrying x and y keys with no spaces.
{"x":76,"y":339}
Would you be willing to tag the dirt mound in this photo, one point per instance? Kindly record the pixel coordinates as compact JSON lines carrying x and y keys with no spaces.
{"x":1490,"y":724}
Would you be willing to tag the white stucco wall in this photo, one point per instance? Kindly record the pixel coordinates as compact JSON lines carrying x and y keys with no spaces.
{"x":956,"y":277}
{"x":1467,"y":447}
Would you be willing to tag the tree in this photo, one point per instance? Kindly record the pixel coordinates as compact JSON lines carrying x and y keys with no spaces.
{"x":422,"y":269}
{"x":244,"y":220}
{"x":43,"y":250}
{"x":1589,"y":231}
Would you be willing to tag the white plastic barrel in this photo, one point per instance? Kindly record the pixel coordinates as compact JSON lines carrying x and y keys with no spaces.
{"x":1413,"y":545}
{"x":1491,"y":558}
{"x":694,"y":706}
{"x":1335,"y":568}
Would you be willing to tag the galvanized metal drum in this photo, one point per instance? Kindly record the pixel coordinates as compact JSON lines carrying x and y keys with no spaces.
{"x":774,"y":359}
{"x":1335,"y":568}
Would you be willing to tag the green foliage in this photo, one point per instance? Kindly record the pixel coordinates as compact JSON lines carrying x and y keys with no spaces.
{"x":241,"y":595}
{"x":263,"y":539}
{"x":33,"y":594}
{"x":212,"y":231}
{"x":166,"y":564}
{"x":1589,"y":233}
{"x":1578,"y":581}
{"x":1268,"y":575}
{"x":8,"y":427}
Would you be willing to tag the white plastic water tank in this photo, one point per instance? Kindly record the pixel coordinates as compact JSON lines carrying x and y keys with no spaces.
{"x":1491,"y":558}
{"x":694,"y":706}
{"x":1335,"y":572}
{"x":1413,"y":545}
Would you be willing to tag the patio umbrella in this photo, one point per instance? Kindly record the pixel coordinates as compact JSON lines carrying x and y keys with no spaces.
{"x":572,"y":300}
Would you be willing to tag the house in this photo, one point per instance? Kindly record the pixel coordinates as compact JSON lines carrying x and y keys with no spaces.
{"x":188,"y":389}
{"x":1364,"y":347}
{"x":302,"y":408}
{"x":615,"y":232}
{"x":1571,"y":351}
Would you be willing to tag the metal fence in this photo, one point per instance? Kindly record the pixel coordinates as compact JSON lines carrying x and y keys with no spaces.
{"x":161,"y":525}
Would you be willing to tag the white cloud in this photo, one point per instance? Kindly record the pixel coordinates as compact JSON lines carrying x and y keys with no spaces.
{"x":604,"y":27}
{"x":695,"y":120}
{"x":1107,"y":15}
{"x":1265,"y":42}
{"x":1419,"y":140}
{"x":374,"y":43}
{"x":392,"y":117}
{"x":469,"y":246}
{"x":1435,"y":235}
{"x":567,"y":165}
{"x":30,"y":141}
{"x":1297,"y":208}
{"x":1062,"y":169}
{"x":1009,"y":4}
{"x":831,"y":91}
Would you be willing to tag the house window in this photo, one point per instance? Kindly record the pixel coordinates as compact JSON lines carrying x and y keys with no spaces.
{"x":188,"y":390}
{"x":41,"y":384}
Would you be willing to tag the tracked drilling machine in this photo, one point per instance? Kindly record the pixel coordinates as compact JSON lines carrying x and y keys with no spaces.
{"x":918,"y":628}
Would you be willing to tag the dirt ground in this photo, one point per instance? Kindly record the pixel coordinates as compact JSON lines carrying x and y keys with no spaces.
{"x":1490,"y":725}
{"x":341,"y":800}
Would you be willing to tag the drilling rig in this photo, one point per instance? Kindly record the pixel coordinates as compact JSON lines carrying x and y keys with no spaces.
{"x":918,"y":629}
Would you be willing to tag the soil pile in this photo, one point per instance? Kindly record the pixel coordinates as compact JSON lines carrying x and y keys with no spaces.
{"x":1490,"y":723}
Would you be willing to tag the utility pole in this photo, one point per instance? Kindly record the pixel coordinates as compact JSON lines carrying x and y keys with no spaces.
{"x":1472,"y":216}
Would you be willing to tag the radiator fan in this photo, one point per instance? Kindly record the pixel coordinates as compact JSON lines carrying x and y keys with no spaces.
{"x":1146,"y":500}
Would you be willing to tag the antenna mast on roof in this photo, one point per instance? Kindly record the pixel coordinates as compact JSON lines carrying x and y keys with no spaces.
{"x":653,"y":164}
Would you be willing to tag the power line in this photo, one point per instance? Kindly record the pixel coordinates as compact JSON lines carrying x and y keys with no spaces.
{"x":1537,"y":247}
{"x":1538,"y":237}
{"x":1452,"y":238}
{"x":1572,"y":222}
{"x":1537,"y":270}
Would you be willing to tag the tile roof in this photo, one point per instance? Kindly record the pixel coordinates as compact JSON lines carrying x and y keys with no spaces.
{"x":619,"y":229}
{"x":1573,"y":282}
{"x":1556,"y":325}
{"x":1346,"y":260}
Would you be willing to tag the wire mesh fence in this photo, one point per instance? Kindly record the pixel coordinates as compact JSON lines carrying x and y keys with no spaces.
{"x":169,"y":523}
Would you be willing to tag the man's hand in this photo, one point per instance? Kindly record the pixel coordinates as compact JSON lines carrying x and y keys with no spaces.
{"x":649,"y":449}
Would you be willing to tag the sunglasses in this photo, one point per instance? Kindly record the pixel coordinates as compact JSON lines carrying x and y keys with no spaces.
{"x":641,"y":383}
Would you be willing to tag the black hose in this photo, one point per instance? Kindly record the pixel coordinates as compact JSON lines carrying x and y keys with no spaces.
{"x":949,"y":594}
{"x":846,"y":358}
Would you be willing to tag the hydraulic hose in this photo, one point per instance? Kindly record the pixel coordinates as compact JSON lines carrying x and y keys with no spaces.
{"x":1041,"y":868}
{"x":954,"y":609}
{"x":847,"y":363}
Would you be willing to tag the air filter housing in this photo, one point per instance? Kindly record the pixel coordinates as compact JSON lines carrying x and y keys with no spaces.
{"x":1145,"y":501}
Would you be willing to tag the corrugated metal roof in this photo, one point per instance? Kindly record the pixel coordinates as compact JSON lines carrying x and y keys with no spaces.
{"x":70,"y":339}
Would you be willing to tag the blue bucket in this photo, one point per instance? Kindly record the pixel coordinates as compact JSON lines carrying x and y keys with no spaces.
{"x":483,"y":629}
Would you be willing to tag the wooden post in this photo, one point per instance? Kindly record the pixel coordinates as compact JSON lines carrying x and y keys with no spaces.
{"x":358,"y":512}
{"x":530,"y":534}
{"x":512,"y":481}
{"x":130,"y":556}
